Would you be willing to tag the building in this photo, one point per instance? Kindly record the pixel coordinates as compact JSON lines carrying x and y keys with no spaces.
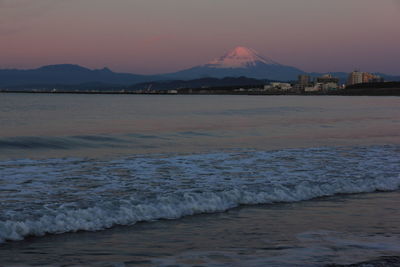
{"x":377,"y":79}
{"x":313,"y":88}
{"x":327,"y":78}
{"x":278,"y":87}
{"x":366,"y":77}
{"x":304,"y":80}
{"x":330,"y":86}
{"x":327,"y":83}
{"x":357,"y":77}
{"x":371,"y":78}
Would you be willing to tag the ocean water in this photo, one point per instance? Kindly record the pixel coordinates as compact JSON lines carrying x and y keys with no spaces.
{"x":198,"y":180}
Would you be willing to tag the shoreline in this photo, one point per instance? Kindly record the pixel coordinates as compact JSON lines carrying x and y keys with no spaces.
{"x":204,"y":93}
{"x":257,"y":235}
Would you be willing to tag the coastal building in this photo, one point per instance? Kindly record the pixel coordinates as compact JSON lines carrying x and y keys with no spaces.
{"x":313,"y":88}
{"x":304,"y":80}
{"x":367,"y":77}
{"x":355,"y":77}
{"x":278,"y":87}
{"x":327,"y":78}
{"x":324,"y":83}
{"x":377,"y":79}
{"x":328,"y":83}
{"x":330,"y":86}
{"x":282,"y":86}
{"x":371,"y":78}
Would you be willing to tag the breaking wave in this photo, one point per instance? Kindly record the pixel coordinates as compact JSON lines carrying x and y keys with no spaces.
{"x":95,"y":195}
{"x":70,"y":142}
{"x":37,"y":142}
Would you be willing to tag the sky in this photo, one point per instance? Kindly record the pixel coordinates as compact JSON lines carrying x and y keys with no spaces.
{"x":160,"y":36}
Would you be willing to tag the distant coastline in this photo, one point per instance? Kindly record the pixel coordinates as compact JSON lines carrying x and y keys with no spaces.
{"x":247,"y":76}
{"x":360,"y":91}
{"x":215,"y":86}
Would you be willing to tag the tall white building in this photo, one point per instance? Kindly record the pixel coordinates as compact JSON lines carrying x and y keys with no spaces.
{"x":355,"y":77}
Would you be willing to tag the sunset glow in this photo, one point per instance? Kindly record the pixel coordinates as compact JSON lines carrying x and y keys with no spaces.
{"x":153,"y":36}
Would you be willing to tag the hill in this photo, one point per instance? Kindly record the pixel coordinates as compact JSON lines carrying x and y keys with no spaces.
{"x":68,"y":74}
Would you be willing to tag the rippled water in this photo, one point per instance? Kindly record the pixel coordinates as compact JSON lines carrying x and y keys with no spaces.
{"x":73,"y":163}
{"x":35,"y":125}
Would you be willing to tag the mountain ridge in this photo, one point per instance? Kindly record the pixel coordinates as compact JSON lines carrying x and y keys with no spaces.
{"x":238,"y":62}
{"x":69,"y":74}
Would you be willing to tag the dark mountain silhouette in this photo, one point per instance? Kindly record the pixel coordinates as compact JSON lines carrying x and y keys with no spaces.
{"x":68,"y":74}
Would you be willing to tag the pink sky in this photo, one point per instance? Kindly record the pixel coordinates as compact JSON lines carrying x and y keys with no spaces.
{"x":158,"y":36}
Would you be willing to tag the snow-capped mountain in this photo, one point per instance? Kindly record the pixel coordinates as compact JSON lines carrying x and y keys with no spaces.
{"x":241,"y":61}
{"x":240,"y":57}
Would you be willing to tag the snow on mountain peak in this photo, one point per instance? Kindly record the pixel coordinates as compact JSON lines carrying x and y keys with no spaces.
{"x":240,"y":57}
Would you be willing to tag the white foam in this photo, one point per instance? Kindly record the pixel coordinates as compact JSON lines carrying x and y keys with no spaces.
{"x":174,"y":206}
{"x":68,"y":196}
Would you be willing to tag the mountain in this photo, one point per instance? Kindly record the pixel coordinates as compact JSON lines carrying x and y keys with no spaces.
{"x":240,"y":57}
{"x":68,"y":74}
{"x":240,"y":61}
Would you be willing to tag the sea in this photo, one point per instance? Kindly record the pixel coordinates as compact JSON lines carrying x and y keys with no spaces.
{"x":197,"y":180}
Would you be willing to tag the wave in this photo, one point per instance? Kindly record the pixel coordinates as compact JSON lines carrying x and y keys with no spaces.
{"x":36,"y":143}
{"x":75,"y":142}
{"x":53,"y":196}
{"x":70,"y":142}
{"x":174,"y":206}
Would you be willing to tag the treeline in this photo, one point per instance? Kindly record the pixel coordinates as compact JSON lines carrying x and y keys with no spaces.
{"x":84,"y":87}
{"x":374,"y":85}
{"x":244,"y":89}
{"x":204,"y":83}
{"x":386,"y":88}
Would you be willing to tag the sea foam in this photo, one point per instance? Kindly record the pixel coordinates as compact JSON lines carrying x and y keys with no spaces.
{"x":69,"y":195}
